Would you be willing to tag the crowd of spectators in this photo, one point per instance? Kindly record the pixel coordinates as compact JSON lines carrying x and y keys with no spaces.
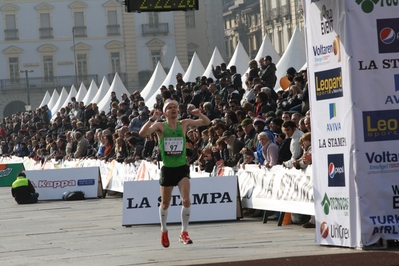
{"x":256,"y":125}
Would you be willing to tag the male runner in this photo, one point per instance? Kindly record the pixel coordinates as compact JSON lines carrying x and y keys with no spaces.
{"x":175,"y":171}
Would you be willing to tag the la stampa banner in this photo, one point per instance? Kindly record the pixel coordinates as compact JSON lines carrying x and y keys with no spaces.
{"x":353,"y":70}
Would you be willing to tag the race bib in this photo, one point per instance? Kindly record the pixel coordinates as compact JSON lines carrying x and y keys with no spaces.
{"x":173,"y":146}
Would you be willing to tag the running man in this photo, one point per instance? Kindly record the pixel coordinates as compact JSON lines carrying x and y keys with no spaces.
{"x":175,"y":171}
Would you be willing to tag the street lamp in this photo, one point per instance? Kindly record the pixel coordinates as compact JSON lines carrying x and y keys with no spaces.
{"x":27,"y":85}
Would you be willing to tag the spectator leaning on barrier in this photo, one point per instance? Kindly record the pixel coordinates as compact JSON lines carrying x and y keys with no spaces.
{"x":23,"y":191}
{"x":294,"y":134}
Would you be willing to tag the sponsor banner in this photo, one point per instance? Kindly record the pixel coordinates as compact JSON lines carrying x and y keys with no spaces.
{"x":8,"y":173}
{"x":212,"y":199}
{"x":375,"y":70}
{"x":277,"y":189}
{"x":52,"y":183}
{"x":332,"y":122}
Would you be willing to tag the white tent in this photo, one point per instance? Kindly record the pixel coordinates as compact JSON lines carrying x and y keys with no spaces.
{"x":102,"y":91}
{"x":81,"y":93}
{"x":155,"y":82}
{"x":294,"y":56}
{"x":63,"y":97}
{"x":266,"y":48}
{"x":215,"y":60}
{"x":170,"y":79}
{"x":116,"y":86}
{"x":53,"y":100}
{"x":194,"y":70}
{"x":174,"y":69}
{"x":72,"y":93}
{"x":239,"y":59}
{"x":93,"y":89}
{"x":46,"y":99}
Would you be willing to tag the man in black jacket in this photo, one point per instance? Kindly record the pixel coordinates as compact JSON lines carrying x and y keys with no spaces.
{"x":23,"y":191}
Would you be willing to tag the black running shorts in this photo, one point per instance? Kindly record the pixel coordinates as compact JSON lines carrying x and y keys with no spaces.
{"x":171,"y":176}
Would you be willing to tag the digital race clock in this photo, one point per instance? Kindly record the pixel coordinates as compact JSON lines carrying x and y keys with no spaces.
{"x":160,"y":5}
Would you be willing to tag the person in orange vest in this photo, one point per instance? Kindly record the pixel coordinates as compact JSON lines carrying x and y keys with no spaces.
{"x":23,"y":191}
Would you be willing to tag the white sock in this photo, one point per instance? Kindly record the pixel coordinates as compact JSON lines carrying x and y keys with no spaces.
{"x":185,"y":217}
{"x":163,"y":215}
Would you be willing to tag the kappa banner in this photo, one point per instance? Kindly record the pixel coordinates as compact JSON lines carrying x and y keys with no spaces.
{"x":212,"y":199}
{"x":52,"y":183}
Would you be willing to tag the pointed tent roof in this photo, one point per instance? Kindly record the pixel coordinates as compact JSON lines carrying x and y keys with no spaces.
{"x":91,"y":92}
{"x":194,"y":70}
{"x":239,"y":59}
{"x":215,"y":60}
{"x":81,"y":93}
{"x":63,"y":97}
{"x":46,"y":99}
{"x":116,"y":86}
{"x":72,"y":93}
{"x":158,"y":76}
{"x":294,"y":55}
{"x":102,"y":91}
{"x":266,"y":48}
{"x":174,"y":69}
{"x":53,"y":100}
{"x":170,"y":79}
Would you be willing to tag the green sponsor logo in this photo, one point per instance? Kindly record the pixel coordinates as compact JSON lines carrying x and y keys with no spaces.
{"x":337,"y":204}
{"x":368,"y":5}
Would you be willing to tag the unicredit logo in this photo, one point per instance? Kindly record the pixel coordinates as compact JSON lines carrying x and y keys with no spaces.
{"x":387,"y":35}
{"x":324,"y":230}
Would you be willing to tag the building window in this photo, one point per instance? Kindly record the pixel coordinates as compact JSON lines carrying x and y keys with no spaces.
{"x":48,"y":68}
{"x":11,"y":31}
{"x":46,"y":31}
{"x":13,"y":64}
{"x":113,"y":26}
{"x":82,"y":65}
{"x":153,"y":18}
{"x":190,"y":19}
{"x":116,"y":62}
{"x":79,"y":30}
{"x":156,"y":56}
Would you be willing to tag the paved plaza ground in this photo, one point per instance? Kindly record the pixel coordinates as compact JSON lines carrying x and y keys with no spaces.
{"x":90,"y":232}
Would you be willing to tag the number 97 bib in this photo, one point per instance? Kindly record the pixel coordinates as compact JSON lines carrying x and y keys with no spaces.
{"x":173,"y":146}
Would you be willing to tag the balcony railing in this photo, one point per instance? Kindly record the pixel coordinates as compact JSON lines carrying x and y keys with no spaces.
{"x":274,"y":13}
{"x":56,"y":82}
{"x":11,"y":34}
{"x":46,"y":33}
{"x":79,"y":31}
{"x":122,"y":76}
{"x":155,"y":29}
{"x":47,"y":82}
{"x":113,"y":30}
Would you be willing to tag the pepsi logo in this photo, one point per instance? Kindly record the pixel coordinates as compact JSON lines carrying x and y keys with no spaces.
{"x":336,"y":170}
{"x":387,"y":35}
{"x":324,"y":230}
{"x":331,"y":170}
